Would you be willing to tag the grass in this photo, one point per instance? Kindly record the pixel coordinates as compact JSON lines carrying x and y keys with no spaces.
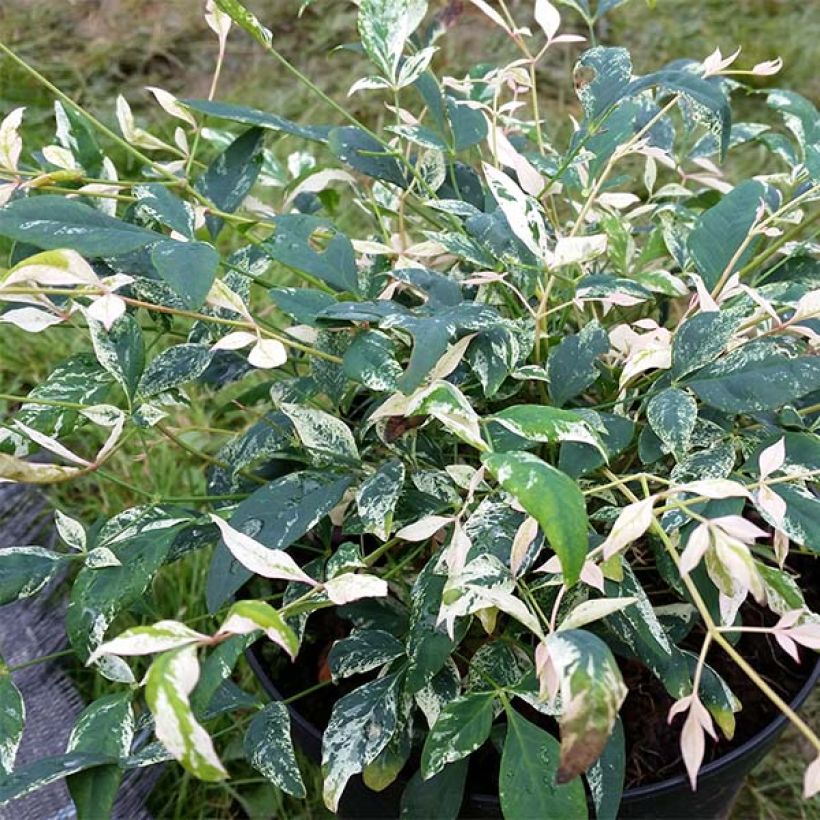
{"x":94,"y":49}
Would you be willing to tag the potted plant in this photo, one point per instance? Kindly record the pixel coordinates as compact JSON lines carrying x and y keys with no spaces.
{"x":519,"y":495}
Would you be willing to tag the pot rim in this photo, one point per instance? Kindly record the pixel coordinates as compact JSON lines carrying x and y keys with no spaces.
{"x":637,"y":792}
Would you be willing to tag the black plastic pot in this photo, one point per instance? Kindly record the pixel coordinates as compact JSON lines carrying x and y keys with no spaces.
{"x":718,"y":781}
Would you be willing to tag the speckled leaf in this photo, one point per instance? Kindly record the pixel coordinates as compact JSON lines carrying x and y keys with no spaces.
{"x":47,"y":770}
{"x":527,"y":780}
{"x":269,"y":749}
{"x":371,"y":360}
{"x":263,"y":119}
{"x":553,"y":499}
{"x":360,"y":726}
{"x":377,"y":498}
{"x":188,"y":268}
{"x":53,"y":222}
{"x":571,"y":364}
{"x":602,"y":77}
{"x":12,"y":721}
{"x":673,"y":414}
{"x":246,"y":20}
{"x":384,"y":26}
{"x":592,"y":691}
{"x":447,"y":404}
{"x":606,"y":776}
{"x":802,"y":515}
{"x":700,"y":340}
{"x":275,"y":515}
{"x":537,"y":422}
{"x":740,"y":383}
{"x":230,"y":177}
{"x":174,"y":367}
{"x":169,"y":681}
{"x":157,"y":202}
{"x":722,"y":230}
{"x":327,"y":439}
{"x":462,"y":726}
{"x":362,"y":651}
{"x":24,"y":571}
{"x":105,"y":727}
{"x":120,"y":350}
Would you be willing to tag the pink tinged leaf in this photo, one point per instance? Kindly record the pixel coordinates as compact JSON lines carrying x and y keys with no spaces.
{"x":492,"y":14}
{"x":768,"y":68}
{"x":268,"y":354}
{"x":772,"y":504}
{"x":235,"y":341}
{"x":548,"y":17}
{"x":269,"y":563}
{"x":111,"y":441}
{"x":738,"y":527}
{"x":787,"y":645}
{"x":424,"y":528}
{"x":51,"y":444}
{"x":351,"y":587}
{"x":107,"y":309}
{"x":548,"y":679}
{"x":705,"y":300}
{"x":634,"y":520}
{"x":807,"y":634}
{"x":715,"y":488}
{"x":592,"y":575}
{"x":456,"y":555}
{"x":781,"y":547}
{"x":552,"y":566}
{"x":811,"y":782}
{"x":31,"y":319}
{"x":695,"y":549}
{"x":772,"y":458}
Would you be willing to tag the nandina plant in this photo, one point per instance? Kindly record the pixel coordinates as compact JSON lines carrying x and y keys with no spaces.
{"x":522,"y":405}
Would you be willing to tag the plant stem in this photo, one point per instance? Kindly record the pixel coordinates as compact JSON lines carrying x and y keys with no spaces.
{"x":63,"y":653}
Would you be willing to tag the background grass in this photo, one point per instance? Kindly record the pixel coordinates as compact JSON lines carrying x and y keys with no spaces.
{"x":94,"y":49}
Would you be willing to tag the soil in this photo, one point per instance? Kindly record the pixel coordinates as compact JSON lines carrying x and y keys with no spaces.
{"x":652,"y":744}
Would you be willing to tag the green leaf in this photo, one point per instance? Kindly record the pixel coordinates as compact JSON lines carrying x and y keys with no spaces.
{"x":52,"y":222}
{"x":277,"y":514}
{"x":47,"y":770}
{"x":527,"y":780}
{"x":571,"y":365}
{"x":230,"y":177}
{"x":244,"y":19}
{"x":12,"y":721}
{"x":553,"y":499}
{"x":170,"y":680}
{"x":157,"y":202}
{"x":371,"y":360}
{"x":673,"y":414}
{"x":606,"y":776}
{"x":440,"y":796}
{"x":269,"y":749}
{"x":462,"y":726}
{"x":217,"y":668}
{"x":188,"y":268}
{"x":261,"y":119}
{"x":366,"y":154}
{"x":120,"y":350}
{"x":377,"y":498}
{"x":385,"y":26}
{"x":592,"y":691}
{"x":448,"y":405}
{"x":100,"y":594}
{"x":722,"y":230}
{"x":362,"y":651}
{"x":174,"y":367}
{"x":468,"y":125}
{"x":293,"y":245}
{"x":105,"y":727}
{"x":700,"y":340}
{"x":578,"y":459}
{"x":264,"y":617}
{"x":24,"y":571}
{"x":327,"y":439}
{"x":302,"y":304}
{"x":361,"y":725}
{"x":743,"y":382}
{"x":546,"y":424}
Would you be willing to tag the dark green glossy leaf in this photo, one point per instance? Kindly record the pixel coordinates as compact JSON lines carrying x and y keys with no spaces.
{"x":606,"y":776}
{"x":440,"y":796}
{"x":362,"y":651}
{"x":188,"y":268}
{"x":53,"y":222}
{"x":571,"y":365}
{"x":47,"y":770}
{"x":24,"y":571}
{"x":371,"y":360}
{"x":157,"y":202}
{"x":527,"y":781}
{"x":105,"y":727}
{"x":366,"y":154}
{"x":120,"y":350}
{"x":701,"y":339}
{"x":12,"y":721}
{"x":552,"y":498}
